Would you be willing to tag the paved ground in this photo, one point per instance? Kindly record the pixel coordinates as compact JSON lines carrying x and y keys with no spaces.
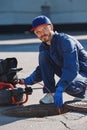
{"x":21,"y":47}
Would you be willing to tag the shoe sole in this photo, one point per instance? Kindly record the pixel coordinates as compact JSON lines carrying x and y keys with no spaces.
{"x":44,"y":103}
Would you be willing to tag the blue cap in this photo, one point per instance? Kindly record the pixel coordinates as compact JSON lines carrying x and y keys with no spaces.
{"x":40,"y":20}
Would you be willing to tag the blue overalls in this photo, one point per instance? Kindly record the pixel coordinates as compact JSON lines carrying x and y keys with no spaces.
{"x":66,"y":58}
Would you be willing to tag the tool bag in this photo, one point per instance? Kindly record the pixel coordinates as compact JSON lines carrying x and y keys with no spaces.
{"x":7,"y":70}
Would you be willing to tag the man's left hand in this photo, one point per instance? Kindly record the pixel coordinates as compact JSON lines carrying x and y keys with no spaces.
{"x":58,"y":97}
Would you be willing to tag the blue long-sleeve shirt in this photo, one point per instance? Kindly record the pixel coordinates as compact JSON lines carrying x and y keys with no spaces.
{"x":68,"y":54}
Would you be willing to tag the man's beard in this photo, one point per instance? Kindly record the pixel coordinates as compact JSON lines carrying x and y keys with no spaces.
{"x":45,"y":38}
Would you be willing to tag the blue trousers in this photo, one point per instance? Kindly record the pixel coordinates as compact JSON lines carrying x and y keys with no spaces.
{"x":48,"y":71}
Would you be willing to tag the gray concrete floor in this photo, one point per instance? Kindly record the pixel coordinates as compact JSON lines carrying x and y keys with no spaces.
{"x":21,"y":47}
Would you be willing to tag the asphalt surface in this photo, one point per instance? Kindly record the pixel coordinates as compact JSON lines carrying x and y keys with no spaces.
{"x":25,"y":49}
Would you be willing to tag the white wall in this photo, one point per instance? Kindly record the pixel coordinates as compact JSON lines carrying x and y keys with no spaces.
{"x":61,"y":11}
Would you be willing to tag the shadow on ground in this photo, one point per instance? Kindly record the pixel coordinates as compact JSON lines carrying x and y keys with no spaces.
{"x":7,"y":119}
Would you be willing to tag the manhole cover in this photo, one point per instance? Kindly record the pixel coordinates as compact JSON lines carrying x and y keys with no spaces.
{"x":41,"y":110}
{"x":76,"y":105}
{"x":37,"y":110}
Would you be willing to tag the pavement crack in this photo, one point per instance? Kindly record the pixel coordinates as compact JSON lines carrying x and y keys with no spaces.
{"x":66,"y":125}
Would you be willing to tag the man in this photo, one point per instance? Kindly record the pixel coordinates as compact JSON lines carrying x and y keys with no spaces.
{"x":61,"y":55}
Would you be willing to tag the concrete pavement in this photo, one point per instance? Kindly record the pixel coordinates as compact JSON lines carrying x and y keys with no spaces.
{"x":28,"y":60}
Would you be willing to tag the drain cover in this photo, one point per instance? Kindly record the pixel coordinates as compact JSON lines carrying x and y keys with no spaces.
{"x":42,"y":110}
{"x":76,"y":105}
{"x":37,"y":110}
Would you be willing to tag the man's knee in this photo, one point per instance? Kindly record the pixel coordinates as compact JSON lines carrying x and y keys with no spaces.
{"x":76,"y":91}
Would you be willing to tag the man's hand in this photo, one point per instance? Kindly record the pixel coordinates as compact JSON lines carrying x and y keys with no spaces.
{"x":58,"y":97}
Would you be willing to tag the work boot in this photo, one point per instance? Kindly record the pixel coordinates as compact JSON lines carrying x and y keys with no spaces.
{"x":47,"y":99}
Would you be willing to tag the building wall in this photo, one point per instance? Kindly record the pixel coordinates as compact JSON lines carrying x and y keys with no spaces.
{"x":14,"y":12}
